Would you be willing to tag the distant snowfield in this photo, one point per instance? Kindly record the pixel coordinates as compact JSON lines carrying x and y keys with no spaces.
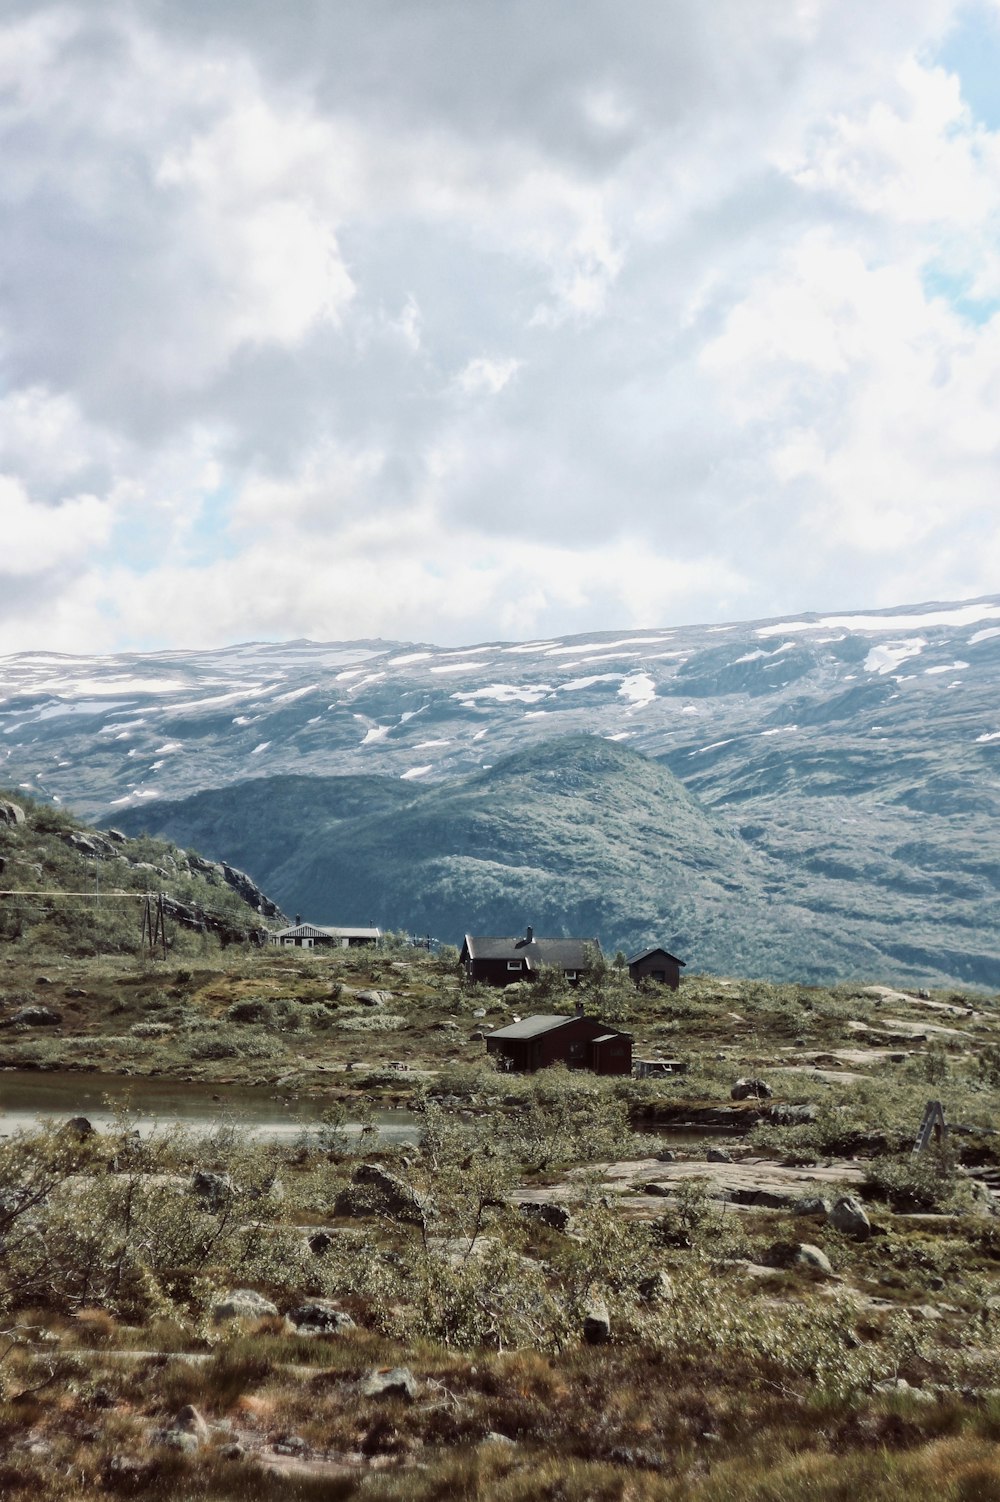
{"x":883,"y":659}
{"x":951,"y":615}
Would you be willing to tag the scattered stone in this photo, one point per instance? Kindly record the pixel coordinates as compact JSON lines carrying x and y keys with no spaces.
{"x":320,"y":1317}
{"x":718,"y":1155}
{"x":320,"y":1243}
{"x":556,"y":1217}
{"x":214,"y":1190}
{"x":289,"y":1444}
{"x":494,"y":1437}
{"x":750,"y":1090}
{"x":787,"y":1115}
{"x":36,"y":1015}
{"x":189,"y":1420}
{"x":596,"y":1323}
{"x":660,"y":1191}
{"x":812,"y":1204}
{"x":797,"y":1253}
{"x":666,"y":1156}
{"x":11,"y":813}
{"x":177,"y":1439}
{"x":80,"y":1127}
{"x":815,"y":1257}
{"x":397,"y":1383}
{"x":373,"y":998}
{"x":74,"y":993}
{"x":656,"y":1289}
{"x":242,"y":1303}
{"x":232,"y":1451}
{"x":43,"y":980}
{"x":850,"y":1217}
{"x":935,"y":1284}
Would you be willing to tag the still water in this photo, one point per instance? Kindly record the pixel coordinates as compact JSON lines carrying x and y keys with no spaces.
{"x":28,"y":1097}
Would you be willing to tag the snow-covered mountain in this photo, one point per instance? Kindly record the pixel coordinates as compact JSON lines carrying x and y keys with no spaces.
{"x":859,"y":755}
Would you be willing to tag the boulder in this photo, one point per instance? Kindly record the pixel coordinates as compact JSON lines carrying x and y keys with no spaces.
{"x":36,"y":1015}
{"x":375,"y":1191}
{"x":596,"y":1323}
{"x":11,"y":813}
{"x":373,"y":998}
{"x":750,"y":1090}
{"x":320,"y":1317}
{"x":397,"y":1383}
{"x":321,"y":1242}
{"x":80,"y":1127}
{"x":812,"y":1204}
{"x":242,"y":1303}
{"x":661,"y":1191}
{"x":190,"y":1421}
{"x":546,"y":1213}
{"x":815,"y":1257}
{"x":718,"y":1155}
{"x":213,"y":1190}
{"x":797,"y":1253}
{"x":656,"y":1289}
{"x":850,"y":1217}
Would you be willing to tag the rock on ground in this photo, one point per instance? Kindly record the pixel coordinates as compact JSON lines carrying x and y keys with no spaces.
{"x":850,"y":1217}
{"x":242,"y":1303}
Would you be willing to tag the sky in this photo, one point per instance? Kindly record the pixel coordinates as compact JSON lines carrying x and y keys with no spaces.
{"x":451,"y":322}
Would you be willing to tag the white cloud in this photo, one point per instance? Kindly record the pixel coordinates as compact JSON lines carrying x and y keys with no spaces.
{"x":262,"y":285}
{"x":483,"y":374}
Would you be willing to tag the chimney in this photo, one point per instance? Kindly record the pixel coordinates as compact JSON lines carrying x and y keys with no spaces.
{"x":529,"y":934}
{"x":579,"y":1009}
{"x":298,"y":919}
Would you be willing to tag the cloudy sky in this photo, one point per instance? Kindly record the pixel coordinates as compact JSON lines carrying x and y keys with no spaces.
{"x":446,"y":321}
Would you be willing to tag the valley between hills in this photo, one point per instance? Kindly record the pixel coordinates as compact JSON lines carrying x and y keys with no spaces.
{"x":813,"y":799}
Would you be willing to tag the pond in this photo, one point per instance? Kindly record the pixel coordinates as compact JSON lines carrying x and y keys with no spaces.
{"x":28,"y":1097}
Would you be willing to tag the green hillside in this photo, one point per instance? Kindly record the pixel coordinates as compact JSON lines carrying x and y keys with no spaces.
{"x":575,"y":835}
{"x":71,"y":890}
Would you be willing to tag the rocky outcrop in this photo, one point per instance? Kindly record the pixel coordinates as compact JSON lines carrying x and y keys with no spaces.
{"x":375,"y":1191}
{"x":745,"y":1089}
{"x":93,"y":845}
{"x":244,"y":886}
{"x":11,"y":813}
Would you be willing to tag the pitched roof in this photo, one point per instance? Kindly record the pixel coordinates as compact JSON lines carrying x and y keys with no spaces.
{"x":314,"y":931}
{"x":648,"y":953}
{"x":547,"y":1022}
{"x":564,"y":954}
{"x":530,"y":1027}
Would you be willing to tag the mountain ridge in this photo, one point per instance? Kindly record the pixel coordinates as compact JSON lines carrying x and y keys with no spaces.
{"x":855,"y":755}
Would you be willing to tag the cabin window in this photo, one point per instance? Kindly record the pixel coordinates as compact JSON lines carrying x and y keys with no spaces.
{"x":570,"y":974}
{"x":513,"y":964}
{"x":575,"y":1050}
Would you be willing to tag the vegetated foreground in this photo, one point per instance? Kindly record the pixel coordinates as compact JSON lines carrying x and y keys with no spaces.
{"x":539,"y":1300}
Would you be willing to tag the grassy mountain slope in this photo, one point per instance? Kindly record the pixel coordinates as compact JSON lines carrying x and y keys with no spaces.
{"x":575,"y":835}
{"x":45,"y":851}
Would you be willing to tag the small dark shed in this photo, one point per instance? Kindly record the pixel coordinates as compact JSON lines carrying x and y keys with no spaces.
{"x":578,"y":1042}
{"x":500,"y":961}
{"x":658,"y":965}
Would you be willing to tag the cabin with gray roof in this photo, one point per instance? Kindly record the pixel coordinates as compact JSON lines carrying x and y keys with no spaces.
{"x":313,"y":936}
{"x":578,"y":1042}
{"x":658,"y":965}
{"x":497,"y":961}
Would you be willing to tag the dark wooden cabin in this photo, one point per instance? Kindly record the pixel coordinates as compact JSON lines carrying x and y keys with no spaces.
{"x":658,"y":965}
{"x":501,"y":961}
{"x":578,"y":1042}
